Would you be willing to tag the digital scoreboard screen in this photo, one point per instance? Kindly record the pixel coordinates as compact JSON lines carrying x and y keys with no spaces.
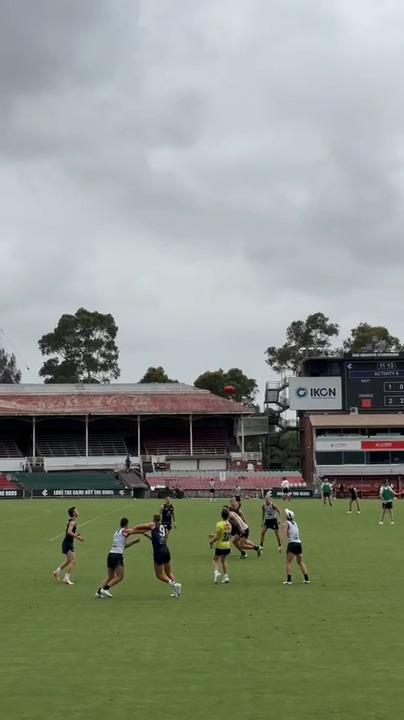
{"x":374,"y":385}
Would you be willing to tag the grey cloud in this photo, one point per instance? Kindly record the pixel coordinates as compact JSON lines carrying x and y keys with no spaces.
{"x":206,"y":172}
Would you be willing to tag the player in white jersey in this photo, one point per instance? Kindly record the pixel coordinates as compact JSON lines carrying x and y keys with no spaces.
{"x":294,"y":548}
{"x":270,"y":520}
{"x":115,"y":567}
{"x":285,"y":487}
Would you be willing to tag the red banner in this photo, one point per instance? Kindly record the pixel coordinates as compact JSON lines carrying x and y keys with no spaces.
{"x":382,"y":444}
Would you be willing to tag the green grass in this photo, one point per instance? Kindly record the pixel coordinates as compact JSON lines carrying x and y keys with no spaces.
{"x":252,"y":649}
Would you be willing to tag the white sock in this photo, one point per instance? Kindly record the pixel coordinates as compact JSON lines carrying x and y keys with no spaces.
{"x":58,"y":569}
{"x":171,"y":582}
{"x":67,"y":576}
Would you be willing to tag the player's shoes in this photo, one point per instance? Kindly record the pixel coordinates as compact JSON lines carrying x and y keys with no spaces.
{"x":243,"y":557}
{"x":359,"y":512}
{"x":225,"y":580}
{"x":259,"y":551}
{"x":287,"y":582}
{"x":381,"y":522}
{"x":105,"y":593}
{"x":306,"y":582}
{"x":98,"y":595}
{"x":279,"y":548}
{"x":67,"y":581}
{"x":56,"y":575}
{"x":177,"y":590}
{"x":392,"y":522}
{"x":216,"y":579}
{"x":349,"y":512}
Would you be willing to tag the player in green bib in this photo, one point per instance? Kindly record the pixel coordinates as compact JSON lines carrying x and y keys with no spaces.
{"x":326,"y":492}
{"x":387,"y":496}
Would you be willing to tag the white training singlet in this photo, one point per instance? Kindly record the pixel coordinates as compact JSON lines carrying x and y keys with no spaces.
{"x":293,"y":532}
{"x":270,"y":513}
{"x":118,"y":541}
{"x":285,"y":484}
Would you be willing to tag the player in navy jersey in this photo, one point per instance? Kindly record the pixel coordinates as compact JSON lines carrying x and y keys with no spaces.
{"x":167,"y":515}
{"x":161,"y":554}
{"x":71,"y":535}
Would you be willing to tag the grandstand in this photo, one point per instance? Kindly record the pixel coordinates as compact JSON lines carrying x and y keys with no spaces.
{"x":7,"y":484}
{"x":59,"y":428}
{"x":194,"y":483}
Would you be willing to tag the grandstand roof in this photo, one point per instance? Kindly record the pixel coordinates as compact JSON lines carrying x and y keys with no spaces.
{"x":114,"y":399}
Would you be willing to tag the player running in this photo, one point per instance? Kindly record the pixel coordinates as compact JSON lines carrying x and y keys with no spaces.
{"x":294,"y":549}
{"x":353,"y":498}
{"x":68,"y":550}
{"x":115,"y":567}
{"x":387,"y":496}
{"x":285,"y":487}
{"x":161,"y":554}
{"x":167,"y":515}
{"x":270,"y":521}
{"x":221,"y":539}
{"x":240,"y":532}
{"x":326,"y":491}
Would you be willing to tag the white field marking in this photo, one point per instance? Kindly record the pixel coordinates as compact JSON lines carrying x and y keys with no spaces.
{"x":28,"y":517}
{"x":87,"y":522}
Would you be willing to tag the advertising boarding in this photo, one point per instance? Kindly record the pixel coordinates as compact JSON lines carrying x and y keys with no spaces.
{"x":315,"y":393}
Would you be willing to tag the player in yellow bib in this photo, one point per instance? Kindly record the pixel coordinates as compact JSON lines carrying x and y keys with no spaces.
{"x":221,"y":541}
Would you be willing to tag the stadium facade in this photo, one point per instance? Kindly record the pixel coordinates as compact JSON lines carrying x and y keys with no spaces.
{"x":351,"y":418}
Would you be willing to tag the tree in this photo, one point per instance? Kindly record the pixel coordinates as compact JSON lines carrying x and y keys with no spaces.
{"x":285,"y":455}
{"x":156,"y":375}
{"x":83,"y":349}
{"x":245,"y":388}
{"x":9,"y":372}
{"x":371,"y":338}
{"x":311,"y":336}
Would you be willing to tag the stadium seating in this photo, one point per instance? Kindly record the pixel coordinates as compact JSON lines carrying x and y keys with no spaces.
{"x":226,"y":481}
{"x":7,"y":484}
{"x":9,"y":447}
{"x":205,"y":442}
{"x":76,"y":481}
{"x":74,"y":445}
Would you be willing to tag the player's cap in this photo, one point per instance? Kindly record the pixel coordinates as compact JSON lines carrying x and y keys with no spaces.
{"x":290,"y":514}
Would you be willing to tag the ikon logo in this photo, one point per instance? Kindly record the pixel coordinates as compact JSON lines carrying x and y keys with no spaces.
{"x":321,"y":392}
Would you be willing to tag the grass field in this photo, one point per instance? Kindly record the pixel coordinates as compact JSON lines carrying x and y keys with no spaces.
{"x":252,"y":649}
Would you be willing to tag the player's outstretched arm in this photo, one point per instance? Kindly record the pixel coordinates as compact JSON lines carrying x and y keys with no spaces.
{"x":133,"y":542}
{"x":140,"y":529}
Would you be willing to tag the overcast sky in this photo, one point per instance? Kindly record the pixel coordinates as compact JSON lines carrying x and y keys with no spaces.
{"x":205,"y":171}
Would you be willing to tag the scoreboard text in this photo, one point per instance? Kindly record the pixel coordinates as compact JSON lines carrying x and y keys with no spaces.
{"x":374,"y":384}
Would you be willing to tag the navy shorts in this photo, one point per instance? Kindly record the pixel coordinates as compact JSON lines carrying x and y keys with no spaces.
{"x":272,"y":524}
{"x":67,"y":547}
{"x":295,"y":548}
{"x":220,"y":552}
{"x":162,"y":558}
{"x":114,"y":560}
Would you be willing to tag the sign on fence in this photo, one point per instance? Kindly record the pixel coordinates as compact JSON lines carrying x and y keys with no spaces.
{"x":44,"y":492}
{"x":17,"y":493}
{"x":294,"y":492}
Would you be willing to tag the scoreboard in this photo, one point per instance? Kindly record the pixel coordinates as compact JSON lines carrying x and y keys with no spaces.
{"x":374,"y":385}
